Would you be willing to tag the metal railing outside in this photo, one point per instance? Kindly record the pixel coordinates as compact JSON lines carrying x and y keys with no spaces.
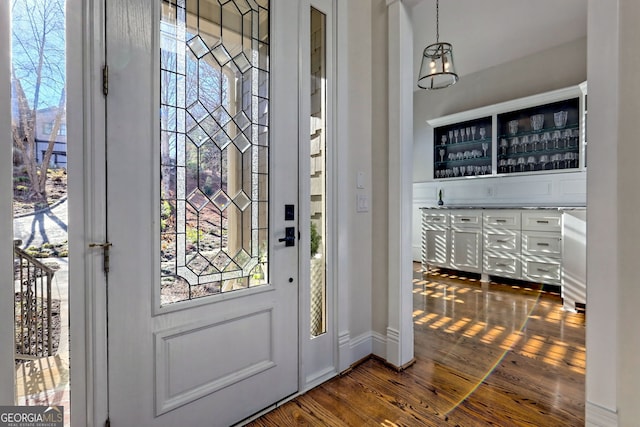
{"x":33,"y":317}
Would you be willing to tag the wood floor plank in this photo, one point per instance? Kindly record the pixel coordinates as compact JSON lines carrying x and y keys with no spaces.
{"x":498,"y":354}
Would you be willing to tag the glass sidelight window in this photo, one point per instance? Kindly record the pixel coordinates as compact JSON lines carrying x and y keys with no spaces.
{"x":214,"y":139}
{"x":318,"y":135}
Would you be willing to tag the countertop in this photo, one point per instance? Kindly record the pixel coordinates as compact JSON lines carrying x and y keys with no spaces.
{"x":555,"y":208}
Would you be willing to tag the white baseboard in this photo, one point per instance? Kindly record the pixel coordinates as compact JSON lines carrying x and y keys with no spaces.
{"x":361,"y":346}
{"x":379,"y":345}
{"x":597,"y":416}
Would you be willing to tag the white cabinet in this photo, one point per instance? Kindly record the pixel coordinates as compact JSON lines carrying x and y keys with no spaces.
{"x":501,"y":235}
{"x":542,"y":246}
{"x":537,"y":245}
{"x":435,"y":238}
{"x":466,"y":240}
{"x":574,"y":258}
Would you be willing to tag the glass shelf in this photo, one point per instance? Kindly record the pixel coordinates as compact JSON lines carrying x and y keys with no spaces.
{"x":463,"y":144}
{"x":539,"y":139}
{"x":475,"y":145}
{"x":476,"y":160}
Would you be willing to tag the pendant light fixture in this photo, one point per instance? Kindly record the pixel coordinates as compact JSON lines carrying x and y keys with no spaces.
{"x":437,"y":70}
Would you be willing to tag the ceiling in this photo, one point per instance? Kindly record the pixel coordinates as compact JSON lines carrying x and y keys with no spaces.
{"x":485,"y":33}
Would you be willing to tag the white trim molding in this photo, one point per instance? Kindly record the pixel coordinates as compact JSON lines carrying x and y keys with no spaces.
{"x":597,"y":416}
{"x":400,"y":303}
{"x":344,"y":351}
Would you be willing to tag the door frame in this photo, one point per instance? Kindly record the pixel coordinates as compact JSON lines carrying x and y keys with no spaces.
{"x":87,"y":292}
{"x":7,"y":370}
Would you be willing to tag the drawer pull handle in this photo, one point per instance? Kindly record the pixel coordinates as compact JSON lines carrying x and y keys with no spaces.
{"x":543,"y":270}
{"x":465,"y":219}
{"x":437,"y":219}
{"x":501,"y":220}
{"x":502,"y":265}
{"x":502,"y":241}
{"x":543,"y":244}
{"x":542,"y":221}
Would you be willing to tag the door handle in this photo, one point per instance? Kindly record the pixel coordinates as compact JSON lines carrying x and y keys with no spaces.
{"x":289,"y":238}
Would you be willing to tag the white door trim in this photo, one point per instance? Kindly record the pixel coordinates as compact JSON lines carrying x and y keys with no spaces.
{"x":87,"y":296}
{"x":7,"y":372}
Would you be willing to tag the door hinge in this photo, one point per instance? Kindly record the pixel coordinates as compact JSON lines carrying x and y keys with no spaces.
{"x":107,"y":423}
{"x":105,"y":254}
{"x":105,"y":80}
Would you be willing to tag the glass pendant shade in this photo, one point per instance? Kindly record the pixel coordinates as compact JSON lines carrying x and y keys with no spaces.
{"x":437,"y":70}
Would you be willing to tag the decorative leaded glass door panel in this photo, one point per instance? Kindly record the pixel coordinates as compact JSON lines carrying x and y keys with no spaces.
{"x":202,"y":296}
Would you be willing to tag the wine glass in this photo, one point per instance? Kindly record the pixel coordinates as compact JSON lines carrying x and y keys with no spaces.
{"x":451,"y":136}
{"x":442,"y":151}
{"x":524,"y":141}
{"x":456,"y":132}
{"x":504,"y":146}
{"x":502,"y":165}
{"x":515,"y":143}
{"x":544,"y":159}
{"x":456,"y":171}
{"x":443,"y":139}
{"x":467,"y":131}
{"x":473,"y":132}
{"x":463,"y":170}
{"x":521,"y":163}
{"x":566,"y":137}
{"x":531,"y":160}
{"x":512,"y":165}
{"x":482,"y":133}
{"x":535,"y":142}
{"x":546,"y":137}
{"x":555,"y":137}
{"x":485,"y":147}
{"x":513,"y":127}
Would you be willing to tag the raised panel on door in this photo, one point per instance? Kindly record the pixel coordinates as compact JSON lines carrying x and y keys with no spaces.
{"x":466,"y":249}
{"x":202,"y":296}
{"x":435,"y":246}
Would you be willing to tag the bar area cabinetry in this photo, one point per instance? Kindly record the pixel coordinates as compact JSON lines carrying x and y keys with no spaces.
{"x":522,"y":244}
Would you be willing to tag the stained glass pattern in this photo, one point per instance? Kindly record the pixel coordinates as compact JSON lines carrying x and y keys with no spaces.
{"x":214,"y":107}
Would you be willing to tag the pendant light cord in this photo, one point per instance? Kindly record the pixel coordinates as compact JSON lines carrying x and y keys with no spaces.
{"x":437,"y":21}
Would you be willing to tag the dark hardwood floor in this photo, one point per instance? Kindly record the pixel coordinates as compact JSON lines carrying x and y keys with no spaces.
{"x":486,"y":354}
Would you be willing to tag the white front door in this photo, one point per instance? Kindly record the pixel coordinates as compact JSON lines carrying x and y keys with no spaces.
{"x":202,"y":136}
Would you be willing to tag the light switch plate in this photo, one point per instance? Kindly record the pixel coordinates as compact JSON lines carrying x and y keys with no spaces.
{"x":360,"y":180}
{"x":362,"y":203}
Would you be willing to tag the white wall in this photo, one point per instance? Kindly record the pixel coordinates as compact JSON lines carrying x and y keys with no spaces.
{"x":602,"y":222}
{"x":355,"y":150}
{"x":628,"y":207}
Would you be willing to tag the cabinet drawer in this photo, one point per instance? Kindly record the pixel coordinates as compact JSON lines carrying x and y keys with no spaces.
{"x":502,"y":219}
{"x":467,"y":218}
{"x":435,"y":218}
{"x":542,"y":220}
{"x":542,"y":270}
{"x":501,"y":264}
{"x":502,"y":240}
{"x":542,"y":243}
